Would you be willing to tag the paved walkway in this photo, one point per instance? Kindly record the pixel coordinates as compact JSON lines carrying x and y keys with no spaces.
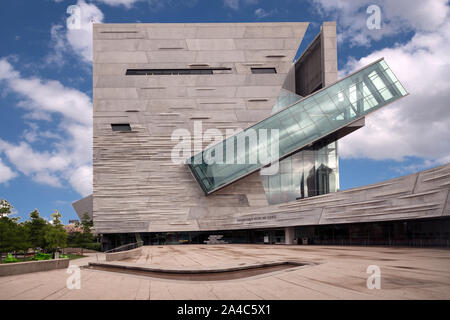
{"x":340,"y":273}
{"x":90,"y":257}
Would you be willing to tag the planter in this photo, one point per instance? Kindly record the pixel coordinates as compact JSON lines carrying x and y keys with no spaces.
{"x":10,"y":269}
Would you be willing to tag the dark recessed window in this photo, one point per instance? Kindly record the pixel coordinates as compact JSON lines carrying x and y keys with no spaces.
{"x":154,"y":72}
{"x":124,"y":127}
{"x":264,"y":70}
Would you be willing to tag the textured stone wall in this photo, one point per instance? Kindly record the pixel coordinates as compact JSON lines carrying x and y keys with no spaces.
{"x":136,"y":186}
{"x":128,"y":254}
{"x":9,"y":269}
{"x":420,"y":195}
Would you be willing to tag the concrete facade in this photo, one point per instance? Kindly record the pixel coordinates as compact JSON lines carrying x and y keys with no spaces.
{"x":419,"y":195}
{"x":83,"y":206}
{"x":128,"y":254}
{"x":137,"y":188}
{"x":10,"y":269}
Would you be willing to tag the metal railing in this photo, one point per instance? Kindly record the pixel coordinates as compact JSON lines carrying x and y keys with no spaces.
{"x":126,"y":247}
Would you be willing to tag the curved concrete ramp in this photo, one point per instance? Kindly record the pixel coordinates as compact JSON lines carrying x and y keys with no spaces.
{"x":201,"y":274}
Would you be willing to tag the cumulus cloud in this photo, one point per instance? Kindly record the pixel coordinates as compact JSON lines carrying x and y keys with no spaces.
{"x":419,"y":124}
{"x":6,"y":173}
{"x":396,"y":17}
{"x":69,"y":155}
{"x":235,"y":4}
{"x":59,"y":45}
{"x":261,"y":13}
{"x":115,"y":3}
{"x":47,"y":97}
{"x":81,"y":180}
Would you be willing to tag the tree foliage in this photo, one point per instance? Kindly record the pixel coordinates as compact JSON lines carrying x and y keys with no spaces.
{"x":55,"y":236}
{"x":12,"y":234}
{"x":37,"y":233}
{"x":85,"y":239}
{"x":5,"y":208}
{"x":35,"y":229}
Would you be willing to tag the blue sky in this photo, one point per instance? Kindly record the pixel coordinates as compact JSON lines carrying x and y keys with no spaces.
{"x":46,"y":89}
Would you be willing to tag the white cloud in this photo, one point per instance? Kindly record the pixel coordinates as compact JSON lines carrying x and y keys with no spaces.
{"x":69,"y":143}
{"x":396,"y":17}
{"x":78,"y":41}
{"x":59,"y":45}
{"x":115,"y":3}
{"x":6,"y":173}
{"x":81,"y":180}
{"x":7,"y":71}
{"x":234,"y":4}
{"x":261,"y":13}
{"x":81,"y":40}
{"x":419,"y":124}
{"x":51,"y":96}
{"x":29,"y":161}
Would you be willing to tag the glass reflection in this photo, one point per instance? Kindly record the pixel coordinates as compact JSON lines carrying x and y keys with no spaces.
{"x":305,"y":122}
{"x":310,"y":172}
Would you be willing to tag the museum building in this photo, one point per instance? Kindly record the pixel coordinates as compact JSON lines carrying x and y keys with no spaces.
{"x":153,"y":81}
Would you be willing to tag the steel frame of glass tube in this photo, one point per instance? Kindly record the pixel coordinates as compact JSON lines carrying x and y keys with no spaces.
{"x":305,"y":122}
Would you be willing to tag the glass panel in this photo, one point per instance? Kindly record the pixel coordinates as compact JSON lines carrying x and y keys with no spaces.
{"x":303,"y":123}
{"x":314,"y":169}
{"x":285,"y":99}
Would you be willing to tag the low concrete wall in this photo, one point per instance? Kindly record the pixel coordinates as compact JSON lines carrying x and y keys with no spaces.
{"x":76,"y":250}
{"x":9,"y":269}
{"x":114,"y":256}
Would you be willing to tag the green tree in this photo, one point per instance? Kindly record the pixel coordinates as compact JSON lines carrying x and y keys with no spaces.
{"x":12,"y":233}
{"x":35,"y":229}
{"x":55,"y":236}
{"x":85,"y":239}
{"x":5,"y":208}
{"x":87,"y":224}
{"x":7,"y":234}
{"x":56,"y":218}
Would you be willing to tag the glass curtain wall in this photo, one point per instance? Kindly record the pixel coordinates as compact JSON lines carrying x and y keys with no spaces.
{"x":301,"y":124}
{"x":310,"y":172}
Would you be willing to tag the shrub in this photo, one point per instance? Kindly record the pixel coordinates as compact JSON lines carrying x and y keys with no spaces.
{"x":10,"y":259}
{"x":42,"y":256}
{"x":92,"y":246}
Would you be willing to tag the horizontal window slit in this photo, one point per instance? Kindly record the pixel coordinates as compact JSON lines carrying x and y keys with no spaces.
{"x":257,"y":100}
{"x":118,"y":32}
{"x":191,"y":71}
{"x":263,"y":70}
{"x":122,"y":127}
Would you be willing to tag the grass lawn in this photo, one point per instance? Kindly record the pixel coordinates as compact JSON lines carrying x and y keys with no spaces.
{"x":22,"y":259}
{"x":74,"y":256}
{"x":71,"y":256}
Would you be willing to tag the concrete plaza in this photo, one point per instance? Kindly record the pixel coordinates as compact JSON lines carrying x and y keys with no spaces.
{"x":336,"y":273}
